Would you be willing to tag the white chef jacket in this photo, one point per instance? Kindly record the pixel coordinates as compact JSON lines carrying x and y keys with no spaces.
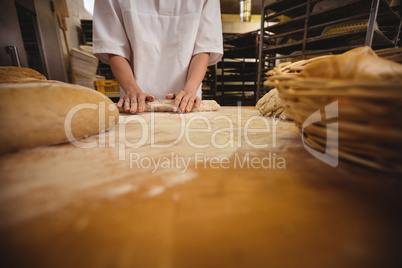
{"x":158,"y":38}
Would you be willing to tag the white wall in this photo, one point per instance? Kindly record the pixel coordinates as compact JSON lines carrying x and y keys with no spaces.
{"x":77,"y":13}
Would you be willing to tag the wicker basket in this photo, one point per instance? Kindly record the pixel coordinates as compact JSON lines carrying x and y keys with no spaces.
{"x":369,"y":120}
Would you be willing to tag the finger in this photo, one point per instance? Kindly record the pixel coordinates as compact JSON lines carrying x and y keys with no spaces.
{"x":197,"y":102}
{"x":150,"y":97}
{"x":170,"y":96}
{"x":183,"y":103}
{"x":177,"y":100}
{"x":141,"y":102}
{"x":120,"y":103}
{"x":133,"y":108}
{"x":190,"y":104}
{"x":126,"y":104}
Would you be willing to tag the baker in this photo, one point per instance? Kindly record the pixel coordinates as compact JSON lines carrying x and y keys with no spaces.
{"x":158,"y":48}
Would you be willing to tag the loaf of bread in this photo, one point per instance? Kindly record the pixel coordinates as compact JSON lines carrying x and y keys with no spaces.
{"x":356,"y":64}
{"x":50,"y":112}
{"x":19,"y":75}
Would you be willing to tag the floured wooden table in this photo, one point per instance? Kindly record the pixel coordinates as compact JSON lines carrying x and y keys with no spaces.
{"x":214,"y":189}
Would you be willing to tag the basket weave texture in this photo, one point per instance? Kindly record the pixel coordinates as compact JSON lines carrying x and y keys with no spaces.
{"x":369,"y":119}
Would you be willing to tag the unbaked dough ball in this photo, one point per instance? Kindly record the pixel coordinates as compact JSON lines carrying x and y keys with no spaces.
{"x":271,"y":105}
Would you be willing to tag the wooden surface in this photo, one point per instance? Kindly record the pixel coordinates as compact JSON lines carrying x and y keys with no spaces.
{"x":64,"y":206}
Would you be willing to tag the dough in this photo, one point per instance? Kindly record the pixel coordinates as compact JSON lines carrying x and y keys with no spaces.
{"x":166,"y":106}
{"x":19,"y":75}
{"x":271,"y":105}
{"x":33,"y":114}
{"x":356,"y":64}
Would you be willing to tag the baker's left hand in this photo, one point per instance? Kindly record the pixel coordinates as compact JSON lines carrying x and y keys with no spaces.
{"x":184,"y":101}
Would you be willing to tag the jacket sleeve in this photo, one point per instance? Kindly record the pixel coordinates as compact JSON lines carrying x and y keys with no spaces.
{"x":209,"y":34}
{"x":109,"y":34}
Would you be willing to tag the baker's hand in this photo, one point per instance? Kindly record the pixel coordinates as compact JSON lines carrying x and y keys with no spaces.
{"x":184,"y":101}
{"x":134,"y":102}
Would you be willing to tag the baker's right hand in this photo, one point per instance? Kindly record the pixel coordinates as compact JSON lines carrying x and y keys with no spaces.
{"x":134,"y":102}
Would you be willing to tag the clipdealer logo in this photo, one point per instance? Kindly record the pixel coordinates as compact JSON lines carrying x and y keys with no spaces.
{"x":331,"y":154}
{"x":220,"y":132}
{"x":201,"y":160}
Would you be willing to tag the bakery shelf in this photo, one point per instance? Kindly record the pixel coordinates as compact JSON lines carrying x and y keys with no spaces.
{"x":237,"y":71}
{"x":247,"y":39}
{"x":359,"y":9}
{"x":237,"y":78}
{"x":238,"y":65}
{"x":209,"y":83}
{"x":284,"y":5}
{"x":301,"y":34}
{"x":294,"y":11}
{"x":241,"y":52}
{"x":352,"y":38}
